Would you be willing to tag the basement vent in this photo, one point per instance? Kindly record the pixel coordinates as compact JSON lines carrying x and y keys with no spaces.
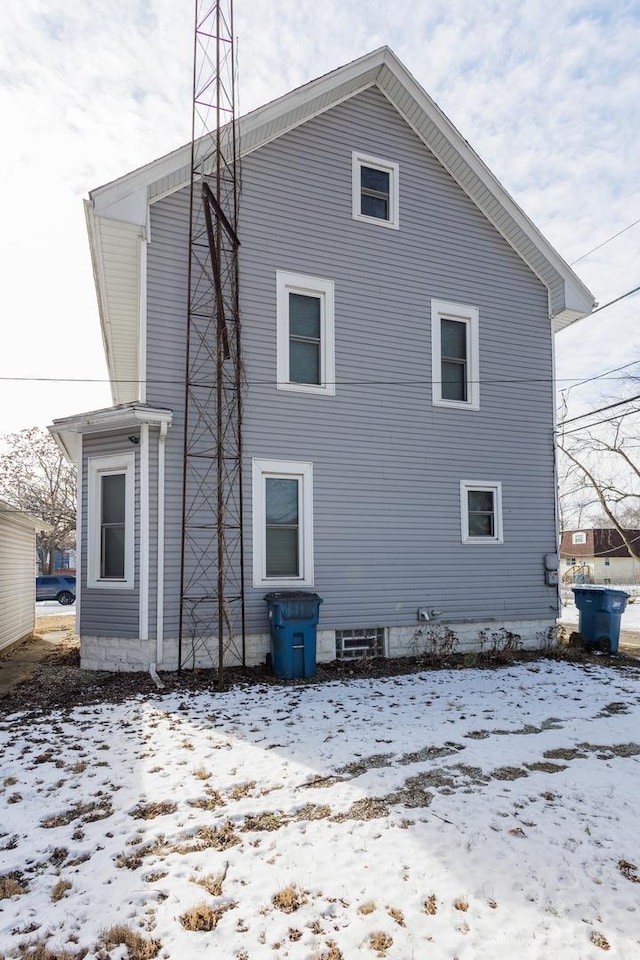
{"x":355,"y":644}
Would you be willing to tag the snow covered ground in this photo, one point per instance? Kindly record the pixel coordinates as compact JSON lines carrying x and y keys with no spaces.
{"x":449,"y":814}
{"x":51,"y":608}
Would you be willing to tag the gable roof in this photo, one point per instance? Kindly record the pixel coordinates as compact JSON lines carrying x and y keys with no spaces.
{"x":117,"y":212}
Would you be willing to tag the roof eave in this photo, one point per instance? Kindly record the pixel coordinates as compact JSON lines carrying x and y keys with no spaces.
{"x":68,"y":430}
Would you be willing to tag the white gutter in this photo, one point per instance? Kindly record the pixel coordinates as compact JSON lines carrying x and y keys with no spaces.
{"x":143,"y":625}
{"x":161,"y":520}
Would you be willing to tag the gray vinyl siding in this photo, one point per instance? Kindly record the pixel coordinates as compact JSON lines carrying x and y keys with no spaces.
{"x":109,"y":612}
{"x":166,"y":345}
{"x":387,"y":463}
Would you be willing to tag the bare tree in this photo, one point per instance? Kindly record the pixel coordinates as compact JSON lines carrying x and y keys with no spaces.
{"x":605,"y":457}
{"x":36,"y":479}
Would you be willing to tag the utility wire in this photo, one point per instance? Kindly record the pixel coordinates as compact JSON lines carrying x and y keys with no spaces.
{"x":604,"y":242}
{"x":610,"y":406}
{"x":600,"y":376}
{"x":617,"y":300}
{"x":588,"y":426}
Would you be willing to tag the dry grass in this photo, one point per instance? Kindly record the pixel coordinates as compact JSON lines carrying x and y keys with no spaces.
{"x":366,"y":908}
{"x":38,"y":950}
{"x":431,"y":905}
{"x":396,"y":915}
{"x":138,"y":947}
{"x":213,"y":882}
{"x":461,"y":905}
{"x":89,"y":812}
{"x":157,"y":808}
{"x":218,"y":838}
{"x":332,"y":952}
{"x":242,"y":790}
{"x":202,"y":773}
{"x":210,"y":801}
{"x":599,"y":940}
{"x":629,"y":871}
{"x":380,"y":942}
{"x":289,"y":899}
{"x":60,"y":889}
{"x":11,"y":885}
{"x":202,"y":917}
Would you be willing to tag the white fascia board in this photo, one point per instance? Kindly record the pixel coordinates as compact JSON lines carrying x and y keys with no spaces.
{"x":577,"y":295}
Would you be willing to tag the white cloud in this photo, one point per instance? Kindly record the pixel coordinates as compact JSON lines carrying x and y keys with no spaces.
{"x":546,"y":93}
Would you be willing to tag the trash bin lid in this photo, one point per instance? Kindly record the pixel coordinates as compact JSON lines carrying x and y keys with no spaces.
{"x":283,"y":595}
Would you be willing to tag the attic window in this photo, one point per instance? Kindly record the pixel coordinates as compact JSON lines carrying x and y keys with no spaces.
{"x":375,"y":190}
{"x":579,"y":538}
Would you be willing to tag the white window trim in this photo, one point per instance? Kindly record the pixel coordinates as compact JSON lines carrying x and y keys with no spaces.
{"x":444,"y":309}
{"x":98,"y":466}
{"x":483,"y":485}
{"x":290,"y":470}
{"x":287,"y":283}
{"x":579,"y":538}
{"x":359,"y":160}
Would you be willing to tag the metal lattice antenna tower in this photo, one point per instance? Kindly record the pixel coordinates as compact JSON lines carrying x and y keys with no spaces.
{"x":211,"y":622}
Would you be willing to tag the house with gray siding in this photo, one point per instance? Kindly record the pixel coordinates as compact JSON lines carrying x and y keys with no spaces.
{"x":398,"y":310}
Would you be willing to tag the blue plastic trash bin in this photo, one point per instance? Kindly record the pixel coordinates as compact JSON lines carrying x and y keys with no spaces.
{"x":293,"y":617}
{"x":601,"y":610}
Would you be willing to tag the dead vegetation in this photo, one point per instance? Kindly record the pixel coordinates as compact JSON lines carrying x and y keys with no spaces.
{"x":138,"y":947}
{"x":12,"y":885}
{"x":430,"y":905}
{"x":149,"y":811}
{"x":60,"y":889}
{"x":212,"y":882}
{"x":380,"y":942}
{"x":203,"y":917}
{"x":87,"y":812}
{"x":289,"y":899}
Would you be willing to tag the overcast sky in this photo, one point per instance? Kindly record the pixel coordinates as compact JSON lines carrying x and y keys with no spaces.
{"x":546,"y":91}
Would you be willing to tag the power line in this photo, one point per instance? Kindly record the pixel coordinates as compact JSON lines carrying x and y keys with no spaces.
{"x":617,"y":300}
{"x":604,"y":242}
{"x":588,"y":426}
{"x":601,"y":376}
{"x":610,"y":406}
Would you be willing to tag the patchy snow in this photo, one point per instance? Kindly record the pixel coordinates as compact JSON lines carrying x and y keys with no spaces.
{"x":447,"y":814}
{"x":51,"y":608}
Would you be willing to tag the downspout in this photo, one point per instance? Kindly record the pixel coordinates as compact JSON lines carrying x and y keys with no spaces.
{"x":79,"y":533}
{"x":161,"y":516}
{"x":143,"y":626}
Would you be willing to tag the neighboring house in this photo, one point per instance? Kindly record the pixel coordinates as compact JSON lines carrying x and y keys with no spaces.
{"x":17,"y":573}
{"x":599,"y":555}
{"x":398,"y":311}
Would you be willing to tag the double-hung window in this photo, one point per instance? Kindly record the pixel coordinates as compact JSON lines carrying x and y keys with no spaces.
{"x":305,"y":333}
{"x":282,"y":523}
{"x":454,"y":352}
{"x":110,"y":533}
{"x":481,"y":512}
{"x":375,"y":190}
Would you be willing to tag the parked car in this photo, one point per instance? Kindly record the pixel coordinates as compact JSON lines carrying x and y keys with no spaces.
{"x":58,"y":587}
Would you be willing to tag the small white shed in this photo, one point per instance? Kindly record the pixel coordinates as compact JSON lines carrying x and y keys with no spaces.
{"x":17,"y":573}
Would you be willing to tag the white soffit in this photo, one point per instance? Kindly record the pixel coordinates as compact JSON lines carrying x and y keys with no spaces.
{"x":114,"y":253}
